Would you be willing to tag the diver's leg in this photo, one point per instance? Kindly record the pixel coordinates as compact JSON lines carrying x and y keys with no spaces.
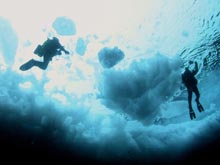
{"x":199,"y":106}
{"x":196,"y":91}
{"x":191,"y":112}
{"x":32,"y":63}
{"x":190,"y":98}
{"x":41,"y":65}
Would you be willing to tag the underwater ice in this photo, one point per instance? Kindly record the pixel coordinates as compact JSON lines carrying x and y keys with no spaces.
{"x":8,"y":41}
{"x":64,"y":26}
{"x":80,"y":46}
{"x":108,"y":57}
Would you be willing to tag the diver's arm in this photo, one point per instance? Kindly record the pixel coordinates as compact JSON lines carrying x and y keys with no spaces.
{"x":65,"y":51}
{"x":60,"y":47}
{"x":182,"y":79}
{"x":196,"y":69}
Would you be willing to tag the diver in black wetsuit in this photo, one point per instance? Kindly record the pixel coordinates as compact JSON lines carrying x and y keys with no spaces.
{"x":49,"y":49}
{"x":189,"y":80}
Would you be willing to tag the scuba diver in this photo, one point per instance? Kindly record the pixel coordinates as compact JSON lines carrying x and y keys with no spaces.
{"x":49,"y":49}
{"x":189,"y":80}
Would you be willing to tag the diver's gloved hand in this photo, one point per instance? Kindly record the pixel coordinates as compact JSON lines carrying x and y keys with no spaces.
{"x":190,"y":62}
{"x":192,"y":114}
{"x":67,"y":52}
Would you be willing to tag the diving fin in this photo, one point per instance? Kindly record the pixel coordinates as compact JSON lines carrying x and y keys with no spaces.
{"x":200,"y":107}
{"x":192,"y":114}
{"x":27,"y":65}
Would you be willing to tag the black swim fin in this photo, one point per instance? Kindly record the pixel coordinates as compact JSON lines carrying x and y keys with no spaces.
{"x":200,"y":107}
{"x":192,"y":114}
{"x":27,"y":65}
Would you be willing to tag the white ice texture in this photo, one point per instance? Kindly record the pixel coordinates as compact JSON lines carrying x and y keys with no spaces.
{"x":120,"y":95}
{"x":8,"y":41}
{"x":81,"y":46}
